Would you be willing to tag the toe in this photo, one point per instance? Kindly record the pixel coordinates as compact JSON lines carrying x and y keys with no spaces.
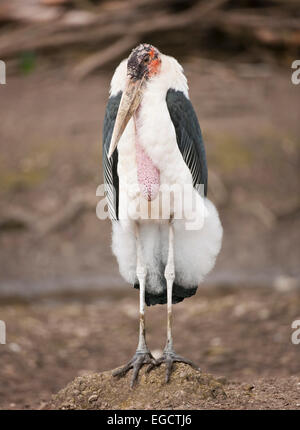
{"x":150,"y":367}
{"x":169,"y":365}
{"x":186,"y":361}
{"x":137,"y":367}
{"x":123,"y":370}
{"x":154,"y":363}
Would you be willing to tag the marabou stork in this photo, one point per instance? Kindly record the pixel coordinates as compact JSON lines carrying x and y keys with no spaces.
{"x":151,"y":138}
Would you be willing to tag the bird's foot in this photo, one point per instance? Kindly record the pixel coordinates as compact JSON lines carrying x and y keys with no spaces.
{"x":136,"y":363}
{"x":169,"y":357}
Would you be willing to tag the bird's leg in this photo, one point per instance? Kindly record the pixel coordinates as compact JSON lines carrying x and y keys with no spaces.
{"x":142,"y":354}
{"x":170,"y":276}
{"x":169,"y":356}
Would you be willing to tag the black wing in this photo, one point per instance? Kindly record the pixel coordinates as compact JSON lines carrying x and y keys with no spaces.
{"x":111,"y":178}
{"x":188,"y":135}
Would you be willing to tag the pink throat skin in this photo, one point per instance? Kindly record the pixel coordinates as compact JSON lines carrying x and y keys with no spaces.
{"x":148,"y":175}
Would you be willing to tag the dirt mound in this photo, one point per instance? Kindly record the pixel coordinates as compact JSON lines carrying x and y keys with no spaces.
{"x":103,"y":391}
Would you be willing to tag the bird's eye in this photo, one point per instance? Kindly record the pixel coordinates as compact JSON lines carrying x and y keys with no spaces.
{"x":146,"y":59}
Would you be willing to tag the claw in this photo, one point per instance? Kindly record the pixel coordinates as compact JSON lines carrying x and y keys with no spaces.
{"x":123,"y":370}
{"x":170,"y":357}
{"x":169,"y":364}
{"x":180,"y":359}
{"x":136,"y":368}
{"x":136,"y":363}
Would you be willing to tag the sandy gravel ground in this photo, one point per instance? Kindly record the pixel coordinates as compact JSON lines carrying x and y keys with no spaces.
{"x":243,"y":336}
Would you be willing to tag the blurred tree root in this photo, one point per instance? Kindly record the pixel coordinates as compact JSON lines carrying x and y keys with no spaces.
{"x":109,"y":29}
{"x":14,"y":218}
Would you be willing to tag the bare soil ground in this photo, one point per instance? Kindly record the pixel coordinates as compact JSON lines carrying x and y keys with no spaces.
{"x":187,"y":389}
{"x":104,"y":391}
{"x":241,"y":335}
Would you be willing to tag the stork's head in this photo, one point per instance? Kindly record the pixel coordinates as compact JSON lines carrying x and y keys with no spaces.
{"x":143,"y":63}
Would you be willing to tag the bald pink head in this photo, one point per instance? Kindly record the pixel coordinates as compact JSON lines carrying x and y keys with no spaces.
{"x":144,"y":61}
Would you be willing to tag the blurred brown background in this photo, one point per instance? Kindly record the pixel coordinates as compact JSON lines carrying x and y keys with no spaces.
{"x":58,"y":280}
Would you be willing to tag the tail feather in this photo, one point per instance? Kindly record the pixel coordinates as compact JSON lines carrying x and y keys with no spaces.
{"x":179,"y":294}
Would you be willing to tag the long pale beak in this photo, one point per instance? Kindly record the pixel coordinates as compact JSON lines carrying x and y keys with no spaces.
{"x":129,"y":103}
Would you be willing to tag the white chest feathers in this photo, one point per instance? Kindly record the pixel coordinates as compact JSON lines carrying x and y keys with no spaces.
{"x":152,"y":130}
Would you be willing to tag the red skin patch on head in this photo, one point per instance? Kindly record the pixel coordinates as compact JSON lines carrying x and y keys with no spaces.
{"x":154,"y":67}
{"x":155,"y":63}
